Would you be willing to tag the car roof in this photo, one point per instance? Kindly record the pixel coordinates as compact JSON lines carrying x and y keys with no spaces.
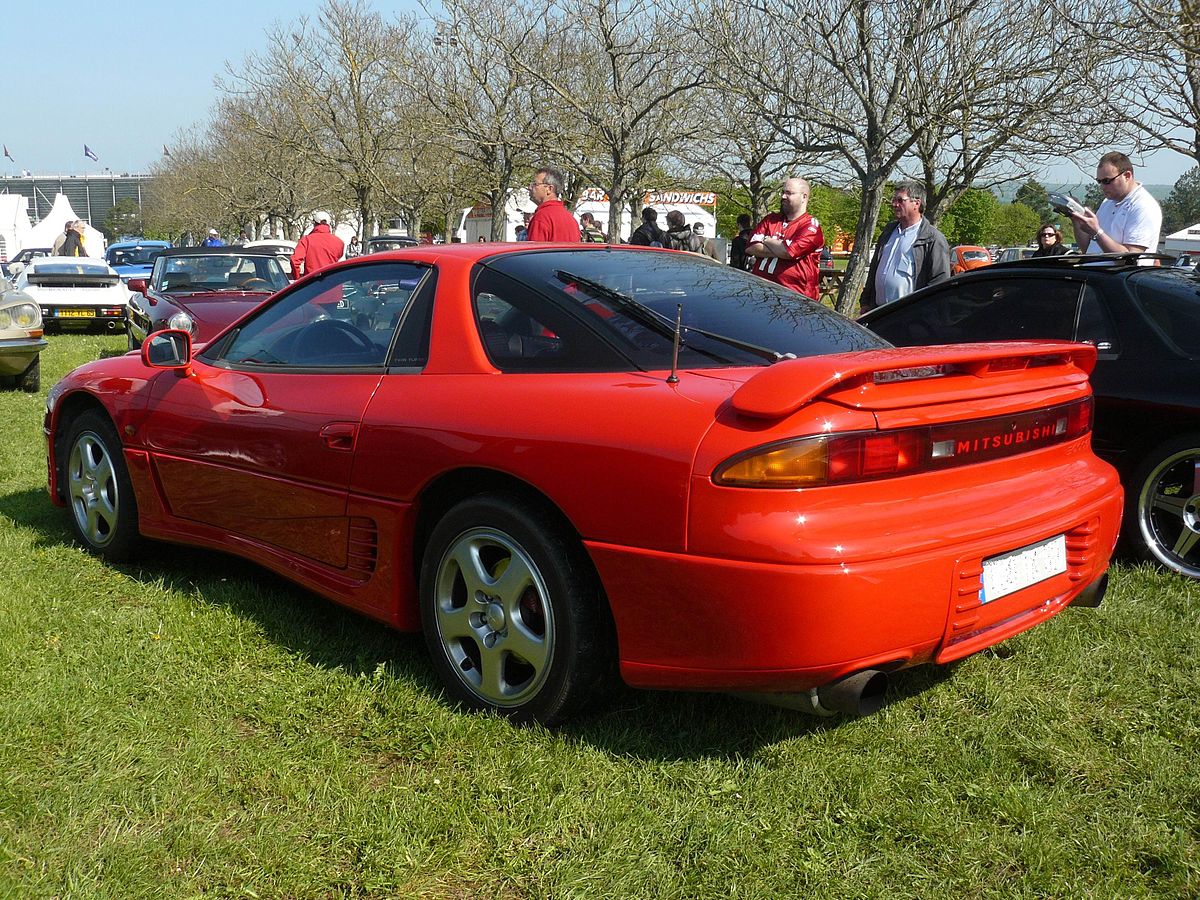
{"x":1111,"y":262}
{"x":227,"y":250}
{"x":122,"y":245}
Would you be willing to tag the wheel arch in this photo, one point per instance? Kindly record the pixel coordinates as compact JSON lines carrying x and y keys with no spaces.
{"x":450,"y":488}
{"x":69,"y":409}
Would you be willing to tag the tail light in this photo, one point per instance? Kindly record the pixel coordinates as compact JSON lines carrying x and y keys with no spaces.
{"x":868,"y":455}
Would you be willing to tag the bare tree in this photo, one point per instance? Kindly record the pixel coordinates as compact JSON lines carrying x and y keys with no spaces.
{"x":1148,"y":79}
{"x":616,"y":91}
{"x":1007,"y":70}
{"x":336,"y":80}
{"x":847,"y":90}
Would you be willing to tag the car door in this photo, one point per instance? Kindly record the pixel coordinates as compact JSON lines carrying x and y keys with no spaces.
{"x":258,"y":439}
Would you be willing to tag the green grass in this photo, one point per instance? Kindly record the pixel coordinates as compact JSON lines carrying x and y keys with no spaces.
{"x":193,"y":726}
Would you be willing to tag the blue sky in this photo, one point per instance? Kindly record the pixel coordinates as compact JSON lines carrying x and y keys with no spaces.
{"x":134,"y":73}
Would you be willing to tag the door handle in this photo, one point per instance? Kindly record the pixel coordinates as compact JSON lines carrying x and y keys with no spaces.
{"x":340,"y":435}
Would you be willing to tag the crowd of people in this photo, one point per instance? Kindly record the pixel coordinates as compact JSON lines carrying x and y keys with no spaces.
{"x":788,"y":246}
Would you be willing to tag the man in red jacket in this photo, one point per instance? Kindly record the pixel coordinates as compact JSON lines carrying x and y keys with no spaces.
{"x":551,"y":221}
{"x":786,"y":246}
{"x":317,"y":249}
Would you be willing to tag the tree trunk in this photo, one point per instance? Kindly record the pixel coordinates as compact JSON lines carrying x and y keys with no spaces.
{"x":864,"y":243}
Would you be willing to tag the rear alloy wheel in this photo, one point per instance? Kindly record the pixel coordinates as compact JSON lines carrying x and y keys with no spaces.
{"x":512,"y":612}
{"x":1163,"y":512}
{"x":103,"y":508}
{"x":30,"y":381}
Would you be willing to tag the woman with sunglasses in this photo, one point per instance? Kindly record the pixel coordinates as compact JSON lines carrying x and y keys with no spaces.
{"x":1049,"y":242}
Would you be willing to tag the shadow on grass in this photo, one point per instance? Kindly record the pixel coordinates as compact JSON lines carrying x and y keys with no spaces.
{"x":655,"y":725}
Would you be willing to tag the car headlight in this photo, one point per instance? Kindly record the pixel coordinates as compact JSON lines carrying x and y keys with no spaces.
{"x":183,"y":322}
{"x":23,"y":315}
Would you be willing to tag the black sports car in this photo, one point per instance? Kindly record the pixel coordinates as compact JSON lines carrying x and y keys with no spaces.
{"x":1145,"y":322}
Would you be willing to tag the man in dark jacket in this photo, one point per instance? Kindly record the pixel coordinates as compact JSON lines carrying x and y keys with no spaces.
{"x":317,"y":249}
{"x":679,"y":234}
{"x":911,"y":253}
{"x":648,"y":234}
{"x":737,"y":247}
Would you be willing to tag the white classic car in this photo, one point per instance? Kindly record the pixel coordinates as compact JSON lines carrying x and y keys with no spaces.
{"x":75,"y":293}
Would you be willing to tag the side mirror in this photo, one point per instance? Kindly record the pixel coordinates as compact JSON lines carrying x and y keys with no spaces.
{"x":136,"y":285}
{"x":169,"y":349}
{"x":16,"y":269}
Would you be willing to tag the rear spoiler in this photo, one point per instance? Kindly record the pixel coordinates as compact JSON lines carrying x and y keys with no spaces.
{"x":881,"y":379}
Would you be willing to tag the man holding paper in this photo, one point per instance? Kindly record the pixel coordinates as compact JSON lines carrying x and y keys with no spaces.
{"x":1128,"y":221}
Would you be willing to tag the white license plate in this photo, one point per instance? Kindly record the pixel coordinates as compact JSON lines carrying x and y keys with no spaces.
{"x":1010,"y":572}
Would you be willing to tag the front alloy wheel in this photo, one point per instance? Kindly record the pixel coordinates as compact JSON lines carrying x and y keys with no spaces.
{"x":1167,"y":511}
{"x":99,"y":492}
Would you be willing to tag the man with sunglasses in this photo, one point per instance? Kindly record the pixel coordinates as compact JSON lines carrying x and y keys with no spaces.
{"x":1128,"y":221}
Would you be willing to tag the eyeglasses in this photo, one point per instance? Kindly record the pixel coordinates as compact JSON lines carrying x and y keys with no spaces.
{"x":1111,"y":179}
{"x":903,"y":200}
{"x":1047,"y":234}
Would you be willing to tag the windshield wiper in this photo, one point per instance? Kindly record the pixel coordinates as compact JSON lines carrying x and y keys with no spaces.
{"x":661,"y":323}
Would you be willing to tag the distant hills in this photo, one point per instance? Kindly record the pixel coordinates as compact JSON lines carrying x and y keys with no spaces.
{"x":1078,"y":189}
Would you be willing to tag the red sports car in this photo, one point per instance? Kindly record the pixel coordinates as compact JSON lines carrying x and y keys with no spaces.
{"x":565,"y":462}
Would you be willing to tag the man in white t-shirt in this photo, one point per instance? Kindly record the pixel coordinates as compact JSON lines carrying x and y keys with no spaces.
{"x":1128,"y":221}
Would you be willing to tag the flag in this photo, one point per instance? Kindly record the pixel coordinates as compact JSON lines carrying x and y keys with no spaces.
{"x":166,"y":152}
{"x":6,"y":153}
{"x":87,"y":151}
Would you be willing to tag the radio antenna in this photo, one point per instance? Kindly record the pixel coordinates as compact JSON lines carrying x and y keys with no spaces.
{"x":673,"y":378}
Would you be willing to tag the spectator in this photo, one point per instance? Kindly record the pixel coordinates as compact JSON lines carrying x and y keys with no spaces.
{"x":551,"y":221}
{"x":213,"y":239}
{"x":648,"y":234}
{"x":1049,"y":242}
{"x":58,"y":241}
{"x":911,"y":253}
{"x":707,"y":247}
{"x":522,"y":233}
{"x":680,"y":235}
{"x":786,"y":246}
{"x":737,"y":247}
{"x":354,"y":248}
{"x":826,"y":258}
{"x":1128,"y":221}
{"x":589,"y":231}
{"x":73,"y":244}
{"x":317,"y":249}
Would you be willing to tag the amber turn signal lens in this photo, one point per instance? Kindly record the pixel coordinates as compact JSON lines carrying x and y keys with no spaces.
{"x":795,"y":464}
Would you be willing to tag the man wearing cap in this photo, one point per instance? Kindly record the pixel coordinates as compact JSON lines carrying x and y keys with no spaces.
{"x":213,"y":239}
{"x":317,"y":249}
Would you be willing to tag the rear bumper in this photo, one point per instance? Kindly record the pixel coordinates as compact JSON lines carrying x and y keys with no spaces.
{"x":691,"y":622}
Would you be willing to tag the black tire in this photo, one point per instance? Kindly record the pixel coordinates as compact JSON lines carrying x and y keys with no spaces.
{"x":527,"y":633}
{"x":97,"y":488}
{"x":1162,"y":506}
{"x":30,"y":381}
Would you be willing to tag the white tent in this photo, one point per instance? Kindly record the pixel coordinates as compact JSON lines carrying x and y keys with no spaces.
{"x":1184,"y":239}
{"x":14,"y":224}
{"x":46,"y":232}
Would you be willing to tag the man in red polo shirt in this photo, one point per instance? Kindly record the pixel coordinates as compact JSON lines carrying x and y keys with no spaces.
{"x":786,"y":246}
{"x":551,"y":221}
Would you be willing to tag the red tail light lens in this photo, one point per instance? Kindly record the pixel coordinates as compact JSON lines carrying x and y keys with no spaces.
{"x":864,"y":456}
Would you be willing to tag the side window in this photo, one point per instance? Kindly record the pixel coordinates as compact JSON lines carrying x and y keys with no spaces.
{"x":525,"y":331}
{"x":344,"y":320}
{"x":1094,"y":325}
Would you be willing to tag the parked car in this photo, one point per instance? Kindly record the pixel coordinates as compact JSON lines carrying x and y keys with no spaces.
{"x":1145,"y":323}
{"x":382,"y":243}
{"x":18,"y":262}
{"x":74,"y":293}
{"x":516,"y":449}
{"x":282,"y":249}
{"x":1013,"y":254}
{"x":134,"y":259}
{"x":200,"y":290}
{"x":966,"y":257}
{"x":21,"y":341}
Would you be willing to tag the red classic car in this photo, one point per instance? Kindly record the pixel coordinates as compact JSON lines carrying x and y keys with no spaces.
{"x":562,"y":463}
{"x":200,"y":290}
{"x":965,"y":257}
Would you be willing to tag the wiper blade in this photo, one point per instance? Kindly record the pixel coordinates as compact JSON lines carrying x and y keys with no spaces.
{"x":640,"y":311}
{"x":661,"y":322}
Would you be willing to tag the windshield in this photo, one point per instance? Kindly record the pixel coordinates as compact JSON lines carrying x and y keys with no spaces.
{"x":205,"y":273}
{"x":729,"y":317}
{"x":133,"y":256}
